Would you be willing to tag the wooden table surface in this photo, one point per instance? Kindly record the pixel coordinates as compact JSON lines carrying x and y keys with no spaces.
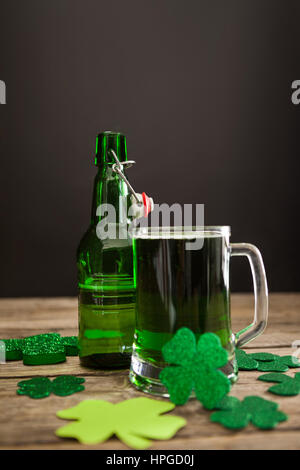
{"x":30,"y":424}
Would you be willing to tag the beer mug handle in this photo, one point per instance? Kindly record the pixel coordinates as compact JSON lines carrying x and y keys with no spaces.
{"x":260,"y":292}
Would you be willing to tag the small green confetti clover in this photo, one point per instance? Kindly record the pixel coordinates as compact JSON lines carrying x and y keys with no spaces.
{"x":195,"y":367}
{"x":287,"y":386}
{"x":265,"y":362}
{"x":236,"y":414}
{"x":41,"y":387}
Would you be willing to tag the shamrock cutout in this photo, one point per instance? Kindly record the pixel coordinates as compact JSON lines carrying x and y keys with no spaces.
{"x":43,"y":349}
{"x":46,"y":348}
{"x":13,"y":349}
{"x":288,"y":386}
{"x":265,"y":362}
{"x":195,"y":368}
{"x":262,"y":356}
{"x":236,"y":414}
{"x":245,"y":362}
{"x":133,"y":421}
{"x":71,"y":345}
{"x":279,"y":364}
{"x":41,"y":387}
{"x":272,"y":366}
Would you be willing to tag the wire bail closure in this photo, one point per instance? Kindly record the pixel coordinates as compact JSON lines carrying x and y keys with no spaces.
{"x":117,"y":168}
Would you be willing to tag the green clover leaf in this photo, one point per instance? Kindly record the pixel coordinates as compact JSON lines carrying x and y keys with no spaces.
{"x":13,"y":349}
{"x":135,"y":421}
{"x":41,"y":387}
{"x":279,"y":364}
{"x":236,"y":414}
{"x":65,"y":385}
{"x":195,"y":367}
{"x":43,"y":349}
{"x":46,"y":348}
{"x":71,"y":345}
{"x":38,"y":387}
{"x":245,"y":362}
{"x":265,"y":362}
{"x":181,"y":348}
{"x":288,"y":386}
{"x":262,"y":356}
{"x":290,"y":361}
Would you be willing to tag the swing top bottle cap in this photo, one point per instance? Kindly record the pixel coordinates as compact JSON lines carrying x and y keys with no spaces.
{"x":109,"y":140}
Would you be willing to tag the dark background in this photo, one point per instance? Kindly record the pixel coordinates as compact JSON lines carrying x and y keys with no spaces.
{"x":202,"y":89}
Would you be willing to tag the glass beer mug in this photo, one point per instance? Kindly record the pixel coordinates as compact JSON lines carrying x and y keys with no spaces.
{"x":182,"y":279}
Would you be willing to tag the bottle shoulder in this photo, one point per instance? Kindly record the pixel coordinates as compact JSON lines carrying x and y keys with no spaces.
{"x":92,"y":243}
{"x":86,"y":239}
{"x":107,"y":262}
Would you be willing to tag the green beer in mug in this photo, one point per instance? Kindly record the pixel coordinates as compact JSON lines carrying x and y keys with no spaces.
{"x":182,"y":279}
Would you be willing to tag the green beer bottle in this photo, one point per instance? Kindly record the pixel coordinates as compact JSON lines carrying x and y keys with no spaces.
{"x":105,"y":265}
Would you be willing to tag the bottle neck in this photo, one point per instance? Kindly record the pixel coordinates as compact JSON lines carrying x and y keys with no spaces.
{"x":110,"y":192}
{"x":107,"y":141}
{"x":110,"y":196}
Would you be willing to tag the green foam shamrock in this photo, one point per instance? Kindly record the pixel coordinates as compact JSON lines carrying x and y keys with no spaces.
{"x":288,"y":386}
{"x":279,"y":364}
{"x":262,"y":356}
{"x":41,"y":387}
{"x":133,"y":421}
{"x":195,"y":368}
{"x":245,"y":362}
{"x":43,"y":349}
{"x":236,"y":414}
{"x":272,"y":366}
{"x":265,"y":362}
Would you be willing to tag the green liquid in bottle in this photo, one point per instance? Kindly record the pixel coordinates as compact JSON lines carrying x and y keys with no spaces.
{"x":106,"y":327}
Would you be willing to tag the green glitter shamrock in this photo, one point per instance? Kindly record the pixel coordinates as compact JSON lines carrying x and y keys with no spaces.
{"x":195,"y":368}
{"x":13,"y":349}
{"x":265,"y":362}
{"x":236,"y":414}
{"x":71,"y":345}
{"x":288,"y":386}
{"x":43,"y":349}
{"x":46,"y":348}
{"x":41,"y":387}
{"x":135,"y":421}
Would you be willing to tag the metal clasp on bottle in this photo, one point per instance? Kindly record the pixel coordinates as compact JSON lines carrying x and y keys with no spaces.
{"x":117,"y":168}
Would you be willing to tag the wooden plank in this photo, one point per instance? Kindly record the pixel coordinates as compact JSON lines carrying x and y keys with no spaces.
{"x":30,"y":424}
{"x":259,"y":440}
{"x":22,"y":317}
{"x":283,"y":319}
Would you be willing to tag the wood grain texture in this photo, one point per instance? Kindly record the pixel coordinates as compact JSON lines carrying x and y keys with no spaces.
{"x":30,"y":424}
